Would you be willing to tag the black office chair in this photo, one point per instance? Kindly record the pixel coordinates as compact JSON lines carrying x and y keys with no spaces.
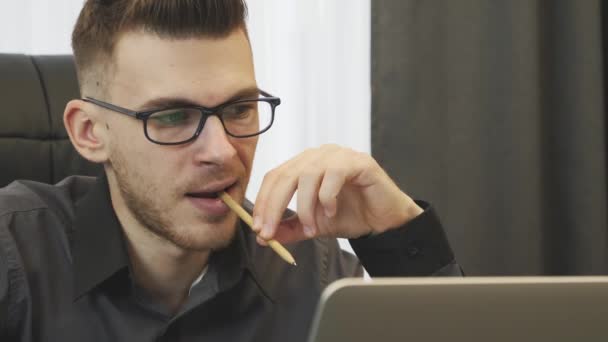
{"x":33,"y":142}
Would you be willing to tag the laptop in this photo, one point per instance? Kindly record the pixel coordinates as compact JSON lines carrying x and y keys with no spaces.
{"x":471,"y":309}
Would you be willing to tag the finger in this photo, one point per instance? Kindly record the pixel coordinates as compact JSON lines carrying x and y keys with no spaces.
{"x":289,"y":232}
{"x":332,"y":183}
{"x":282,"y":192}
{"x":308,"y":189}
{"x":276,"y":191}
{"x":266,"y":191}
{"x":259,"y":206}
{"x":261,"y":241}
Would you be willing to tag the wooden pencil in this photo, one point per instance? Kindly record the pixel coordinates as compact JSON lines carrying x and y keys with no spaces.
{"x":244,"y":215}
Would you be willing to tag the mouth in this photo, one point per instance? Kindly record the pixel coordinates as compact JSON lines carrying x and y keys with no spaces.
{"x":212,"y":192}
{"x":207,"y":201}
{"x":202,"y":194}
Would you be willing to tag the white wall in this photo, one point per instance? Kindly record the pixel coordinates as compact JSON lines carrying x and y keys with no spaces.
{"x":314,"y":54}
{"x":37,"y":26}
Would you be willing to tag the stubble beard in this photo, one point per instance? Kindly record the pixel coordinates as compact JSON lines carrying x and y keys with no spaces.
{"x":151,"y":212}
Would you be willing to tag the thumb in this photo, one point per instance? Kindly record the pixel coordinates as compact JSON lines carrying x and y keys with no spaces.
{"x":291,"y":231}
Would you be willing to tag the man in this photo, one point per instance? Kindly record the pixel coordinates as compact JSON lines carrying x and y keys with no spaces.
{"x":171,"y":108}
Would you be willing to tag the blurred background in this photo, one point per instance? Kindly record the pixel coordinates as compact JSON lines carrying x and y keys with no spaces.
{"x":494,"y":111}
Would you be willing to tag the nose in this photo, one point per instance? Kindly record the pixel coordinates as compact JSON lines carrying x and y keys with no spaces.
{"x":213,"y":145}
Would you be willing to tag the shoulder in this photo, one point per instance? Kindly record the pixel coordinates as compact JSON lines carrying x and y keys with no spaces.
{"x":26,"y":196}
{"x":35,"y":226}
{"x":35,"y":215}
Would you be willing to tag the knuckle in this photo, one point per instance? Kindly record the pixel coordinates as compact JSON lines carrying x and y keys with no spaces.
{"x":308,"y":173}
{"x":308,"y":151}
{"x":334,"y":146}
{"x":330,"y":147}
{"x":306,"y":220}
{"x":271,"y":176}
{"x":363,"y":157}
{"x":325,"y":197}
{"x":337,"y":171}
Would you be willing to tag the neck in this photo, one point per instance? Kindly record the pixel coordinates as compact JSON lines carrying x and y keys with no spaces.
{"x":162,"y":269}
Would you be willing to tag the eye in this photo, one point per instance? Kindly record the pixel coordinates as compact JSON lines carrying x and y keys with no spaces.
{"x":171,"y":117}
{"x":174,"y":117}
{"x":239,"y":110}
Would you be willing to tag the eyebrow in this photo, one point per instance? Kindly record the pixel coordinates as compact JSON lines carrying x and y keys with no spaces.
{"x":167,"y":102}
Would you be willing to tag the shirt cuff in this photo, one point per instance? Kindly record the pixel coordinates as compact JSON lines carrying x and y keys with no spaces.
{"x":418,"y":248}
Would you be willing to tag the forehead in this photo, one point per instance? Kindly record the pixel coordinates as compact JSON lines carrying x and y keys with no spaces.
{"x":204,"y":70}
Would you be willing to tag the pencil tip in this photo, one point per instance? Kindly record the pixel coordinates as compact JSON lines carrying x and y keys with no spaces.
{"x":294,"y":263}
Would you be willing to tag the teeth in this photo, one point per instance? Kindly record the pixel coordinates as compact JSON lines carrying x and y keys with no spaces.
{"x":205,"y":195}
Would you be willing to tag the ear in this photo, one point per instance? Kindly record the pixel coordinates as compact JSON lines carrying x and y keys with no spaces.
{"x":86,"y":131}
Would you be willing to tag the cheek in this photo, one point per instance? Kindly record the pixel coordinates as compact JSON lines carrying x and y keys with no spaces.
{"x":126,"y":134}
{"x":246,"y":151}
{"x":135,"y":154}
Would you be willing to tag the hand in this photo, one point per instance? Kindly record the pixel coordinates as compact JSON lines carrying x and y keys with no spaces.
{"x":340,"y":193}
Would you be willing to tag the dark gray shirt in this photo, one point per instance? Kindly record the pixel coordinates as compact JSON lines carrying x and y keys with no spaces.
{"x":65,"y":274}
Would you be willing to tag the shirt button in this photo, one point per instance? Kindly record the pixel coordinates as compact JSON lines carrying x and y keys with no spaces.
{"x":412,"y":251}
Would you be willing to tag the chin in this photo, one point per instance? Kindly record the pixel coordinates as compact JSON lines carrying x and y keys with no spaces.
{"x":211,"y":237}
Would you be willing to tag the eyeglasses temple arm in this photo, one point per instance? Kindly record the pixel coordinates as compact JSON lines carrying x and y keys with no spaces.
{"x":112,"y":107}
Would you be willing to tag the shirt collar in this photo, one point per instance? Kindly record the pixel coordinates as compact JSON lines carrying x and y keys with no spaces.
{"x":99,"y":248}
{"x":236,"y":258}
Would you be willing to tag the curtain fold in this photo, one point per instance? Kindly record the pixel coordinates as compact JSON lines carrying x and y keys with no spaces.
{"x":494,"y":111}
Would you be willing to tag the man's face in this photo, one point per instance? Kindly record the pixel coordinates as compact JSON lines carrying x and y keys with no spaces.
{"x":165,"y":189}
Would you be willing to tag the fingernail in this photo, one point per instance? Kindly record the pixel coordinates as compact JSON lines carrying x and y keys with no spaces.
{"x":261,"y":241}
{"x":257,"y":224}
{"x":329,"y":213}
{"x":309,"y":231}
{"x":266,"y":231}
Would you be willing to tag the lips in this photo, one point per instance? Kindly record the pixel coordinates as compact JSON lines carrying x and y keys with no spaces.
{"x":207,"y":201}
{"x":212,"y":191}
{"x":203,"y":194}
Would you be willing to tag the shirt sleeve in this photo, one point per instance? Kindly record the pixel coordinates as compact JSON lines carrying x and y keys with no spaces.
{"x":11,"y":283}
{"x":418,"y":248}
{"x":4,"y":287}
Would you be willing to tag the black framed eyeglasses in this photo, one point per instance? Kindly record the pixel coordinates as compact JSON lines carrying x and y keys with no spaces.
{"x":179,"y":125}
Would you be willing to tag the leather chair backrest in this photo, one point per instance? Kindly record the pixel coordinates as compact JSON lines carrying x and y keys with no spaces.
{"x":33,"y":142}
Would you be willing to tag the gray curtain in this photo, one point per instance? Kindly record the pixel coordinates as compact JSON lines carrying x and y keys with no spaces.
{"x":495,"y":112}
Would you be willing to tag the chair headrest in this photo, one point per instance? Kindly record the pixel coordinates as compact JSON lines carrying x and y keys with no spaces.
{"x":33,"y":142}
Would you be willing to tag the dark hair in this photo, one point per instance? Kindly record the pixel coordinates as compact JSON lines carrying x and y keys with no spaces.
{"x":101,"y":22}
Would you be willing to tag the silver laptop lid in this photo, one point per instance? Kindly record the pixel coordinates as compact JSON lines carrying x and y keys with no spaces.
{"x":463,"y":309}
